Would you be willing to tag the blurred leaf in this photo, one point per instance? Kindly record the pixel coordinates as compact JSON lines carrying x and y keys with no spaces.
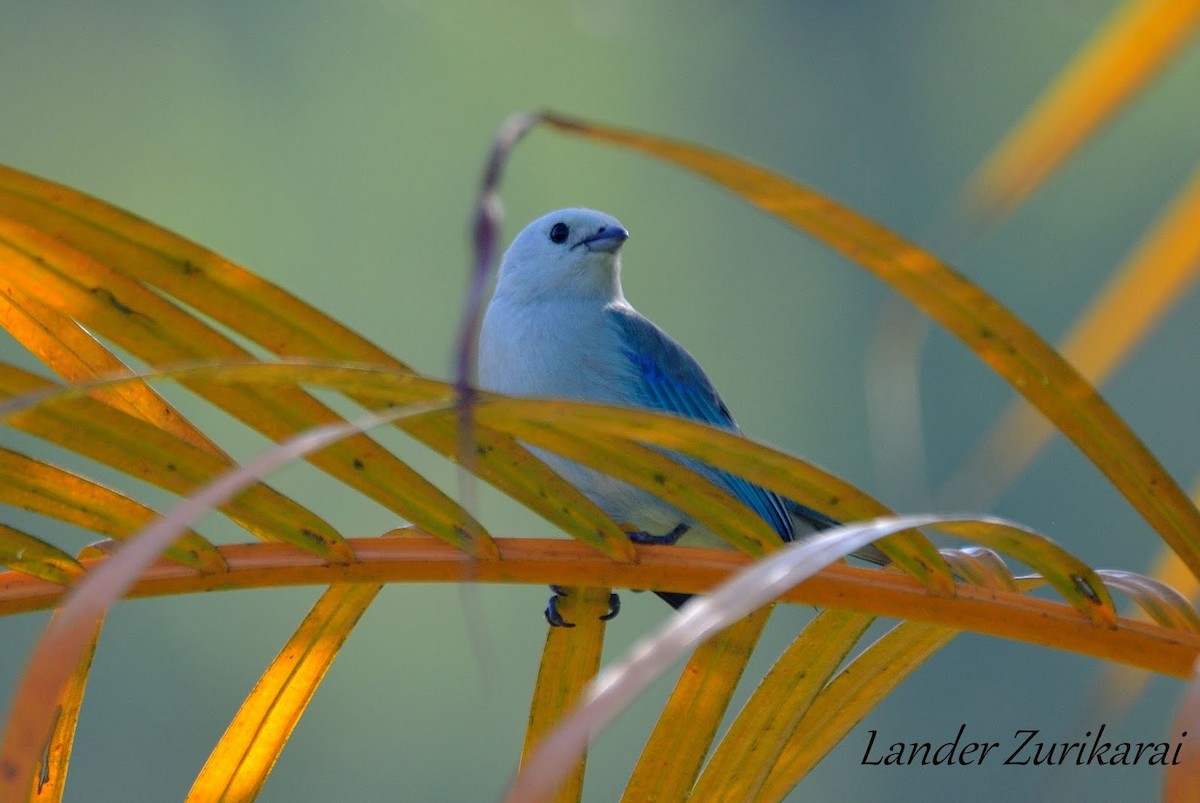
{"x":981,"y":567}
{"x":684,"y":733}
{"x":241,"y":761}
{"x":1180,"y":779}
{"x":1171,"y":570}
{"x":484,"y":234}
{"x":51,"y":779}
{"x":746,"y":754}
{"x":998,"y":337}
{"x":569,"y":660}
{"x":1138,"y":41}
{"x":1151,"y":280}
{"x":1161,"y":603}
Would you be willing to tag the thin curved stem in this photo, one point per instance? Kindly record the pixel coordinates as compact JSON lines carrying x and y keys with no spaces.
{"x":424,"y":559}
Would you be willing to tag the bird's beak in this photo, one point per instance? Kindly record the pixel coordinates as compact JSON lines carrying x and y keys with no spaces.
{"x":608,"y":238}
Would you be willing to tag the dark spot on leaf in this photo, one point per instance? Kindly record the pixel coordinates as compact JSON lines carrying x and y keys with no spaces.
{"x":101,"y":292}
{"x":171,"y":467}
{"x":661,"y":479}
{"x":189,"y":268}
{"x":358,"y":464}
{"x":310,"y":534}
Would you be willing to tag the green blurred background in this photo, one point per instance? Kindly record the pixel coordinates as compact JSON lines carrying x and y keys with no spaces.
{"x":335,"y":149}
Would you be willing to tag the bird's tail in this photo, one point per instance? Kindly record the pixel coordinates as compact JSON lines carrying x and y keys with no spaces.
{"x":817,"y":521}
{"x":672,"y":598}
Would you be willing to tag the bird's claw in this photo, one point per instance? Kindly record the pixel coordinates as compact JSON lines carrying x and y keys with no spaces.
{"x":555,"y":619}
{"x":670,"y":539}
{"x":614,"y":607}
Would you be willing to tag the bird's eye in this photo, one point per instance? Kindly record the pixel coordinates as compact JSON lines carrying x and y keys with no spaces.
{"x":559,"y":233}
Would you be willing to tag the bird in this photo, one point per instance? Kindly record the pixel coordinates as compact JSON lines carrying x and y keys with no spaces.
{"x":558,"y":325}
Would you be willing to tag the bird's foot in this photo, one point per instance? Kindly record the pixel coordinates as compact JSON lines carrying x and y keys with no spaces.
{"x":614,"y":606}
{"x":555,"y":619}
{"x":643,"y":537}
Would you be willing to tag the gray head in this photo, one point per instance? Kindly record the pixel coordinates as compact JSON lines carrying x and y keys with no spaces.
{"x":571,"y":253}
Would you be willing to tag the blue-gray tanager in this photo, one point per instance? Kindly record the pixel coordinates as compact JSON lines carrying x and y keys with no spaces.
{"x":559,"y":326}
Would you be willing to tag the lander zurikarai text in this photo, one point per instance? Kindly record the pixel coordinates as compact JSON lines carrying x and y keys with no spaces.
{"x":1027,"y":747}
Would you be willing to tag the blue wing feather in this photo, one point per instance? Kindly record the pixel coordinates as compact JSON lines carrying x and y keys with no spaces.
{"x":668,"y":378}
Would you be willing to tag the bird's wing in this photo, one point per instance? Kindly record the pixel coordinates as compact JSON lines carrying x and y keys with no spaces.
{"x":667,"y":378}
{"x":813,"y":518}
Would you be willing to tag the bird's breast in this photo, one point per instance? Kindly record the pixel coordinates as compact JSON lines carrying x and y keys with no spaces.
{"x":555,"y":350}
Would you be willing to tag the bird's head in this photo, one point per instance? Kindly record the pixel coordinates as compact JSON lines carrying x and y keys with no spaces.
{"x":571,"y":253}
